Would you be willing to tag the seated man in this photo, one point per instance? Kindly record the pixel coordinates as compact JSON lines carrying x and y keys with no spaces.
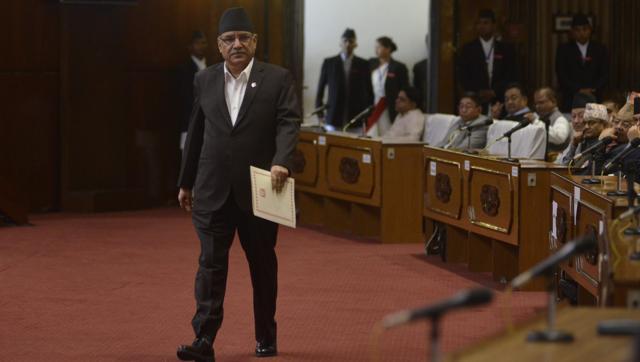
{"x":595,"y":121}
{"x":469,"y":109}
{"x":631,"y":164}
{"x":621,"y":122}
{"x":515,"y":104}
{"x":409,"y":123}
{"x":558,"y":127}
{"x":577,"y":124}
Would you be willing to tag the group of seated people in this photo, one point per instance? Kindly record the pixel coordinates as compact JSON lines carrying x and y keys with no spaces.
{"x":563,"y":139}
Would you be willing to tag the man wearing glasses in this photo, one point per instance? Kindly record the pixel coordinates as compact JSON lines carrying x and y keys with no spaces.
{"x":245,"y":113}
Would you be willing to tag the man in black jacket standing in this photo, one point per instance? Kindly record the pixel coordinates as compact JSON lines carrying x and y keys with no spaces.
{"x":246,"y":113}
{"x":197,"y":62}
{"x":486,"y":65}
{"x":582,"y":65}
{"x":349,"y":81}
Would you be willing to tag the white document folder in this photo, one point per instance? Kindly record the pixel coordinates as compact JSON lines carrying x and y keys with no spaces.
{"x":267,"y":204}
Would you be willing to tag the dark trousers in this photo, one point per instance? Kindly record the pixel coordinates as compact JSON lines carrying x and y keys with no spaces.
{"x":216,"y":231}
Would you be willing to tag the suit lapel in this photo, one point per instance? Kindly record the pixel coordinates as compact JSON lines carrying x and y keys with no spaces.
{"x":255,"y":81}
{"x":218,"y":82}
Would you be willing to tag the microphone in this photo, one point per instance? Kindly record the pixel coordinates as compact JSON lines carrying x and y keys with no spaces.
{"x":630,"y":212}
{"x":318,"y":110}
{"x":621,"y":156}
{"x":522,"y":124}
{"x":466,"y":298}
{"x":601,"y":143}
{"x":358,"y":117}
{"x":486,"y":122}
{"x":577,"y":246}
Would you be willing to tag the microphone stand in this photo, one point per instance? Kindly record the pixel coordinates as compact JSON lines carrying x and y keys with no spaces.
{"x":551,"y":334}
{"x":509,"y":159}
{"x":434,"y":339}
{"x":593,"y":180}
{"x":469,"y":150}
{"x":618,"y":191}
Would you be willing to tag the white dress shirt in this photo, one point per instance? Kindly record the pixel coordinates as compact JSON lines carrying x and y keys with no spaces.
{"x":234,"y":89}
{"x":200,"y":63}
{"x":407,"y":127}
{"x":559,"y":127}
{"x":487,"y":48}
{"x":583,"y":49}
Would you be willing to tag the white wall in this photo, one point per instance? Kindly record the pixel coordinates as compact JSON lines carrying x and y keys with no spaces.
{"x":405,"y":21}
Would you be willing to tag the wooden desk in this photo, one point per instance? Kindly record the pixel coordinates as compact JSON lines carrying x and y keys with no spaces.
{"x":581,"y":322}
{"x":365,"y":187}
{"x":606,"y":275}
{"x":493,"y":209}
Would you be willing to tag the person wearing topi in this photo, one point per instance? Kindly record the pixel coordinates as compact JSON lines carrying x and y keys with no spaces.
{"x":245,"y":114}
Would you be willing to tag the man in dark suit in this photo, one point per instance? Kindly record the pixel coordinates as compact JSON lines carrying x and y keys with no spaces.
{"x":486,"y":65}
{"x":420,"y":71}
{"x":246,"y":113}
{"x":582,"y":65}
{"x":349,"y":81}
{"x":186,"y":71}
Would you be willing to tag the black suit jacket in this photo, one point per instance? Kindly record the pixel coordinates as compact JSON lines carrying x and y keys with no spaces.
{"x":185,"y":74}
{"x":217,"y":154}
{"x":397,"y":78}
{"x":358,"y":96}
{"x":472,"y":67}
{"x":574,"y":74}
{"x":420,"y":70}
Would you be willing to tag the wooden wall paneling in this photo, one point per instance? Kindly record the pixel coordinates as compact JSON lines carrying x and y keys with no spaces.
{"x":480,"y":253}
{"x":159,"y":33}
{"x":29,"y":103}
{"x":402,"y":201}
{"x":457,"y":247}
{"x":29,"y":35}
{"x":28,"y":136}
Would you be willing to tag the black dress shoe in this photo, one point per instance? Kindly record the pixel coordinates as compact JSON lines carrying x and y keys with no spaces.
{"x":200,"y":350}
{"x":266,"y":349}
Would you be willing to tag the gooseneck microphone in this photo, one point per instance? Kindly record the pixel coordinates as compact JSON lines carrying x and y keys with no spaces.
{"x":576,"y":246}
{"x":622,"y":155}
{"x":318,"y":110}
{"x":596,"y":146}
{"x":467,"y":298}
{"x":358,"y":117}
{"x":522,"y":124}
{"x":486,"y":122}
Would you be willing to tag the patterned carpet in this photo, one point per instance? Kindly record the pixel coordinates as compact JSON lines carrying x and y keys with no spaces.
{"x":119,"y":287}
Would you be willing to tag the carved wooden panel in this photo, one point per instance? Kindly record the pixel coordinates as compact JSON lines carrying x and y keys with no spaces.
{"x":305,"y":163}
{"x":561,"y":217}
{"x":350,"y":170}
{"x":490,"y":199}
{"x":590,"y":220}
{"x":443,"y":186}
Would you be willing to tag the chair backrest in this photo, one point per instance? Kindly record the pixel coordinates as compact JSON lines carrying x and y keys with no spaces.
{"x":528,"y":142}
{"x":437,"y":127}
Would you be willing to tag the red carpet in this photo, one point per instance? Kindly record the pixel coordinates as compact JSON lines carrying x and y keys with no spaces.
{"x":119,"y":287}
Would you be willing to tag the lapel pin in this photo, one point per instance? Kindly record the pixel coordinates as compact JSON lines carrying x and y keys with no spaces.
{"x":253,"y":85}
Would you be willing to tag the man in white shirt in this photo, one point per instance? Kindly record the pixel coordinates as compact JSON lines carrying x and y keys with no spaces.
{"x":582,"y":64}
{"x":486,"y":64}
{"x":409,"y":123}
{"x":246,"y":113}
{"x":547,"y":113}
